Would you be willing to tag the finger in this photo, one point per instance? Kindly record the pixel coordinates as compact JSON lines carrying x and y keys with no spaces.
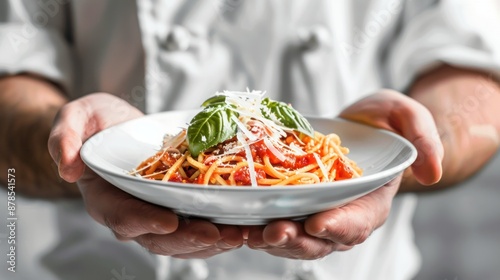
{"x":427,"y":168}
{"x":255,"y":238}
{"x":230,"y":239}
{"x":353,"y":223}
{"x":190,"y":237}
{"x":76,"y":122}
{"x":394,"y":111}
{"x":244,"y":231}
{"x":125,"y":215}
{"x":65,"y":142}
{"x":417,"y":125}
{"x":288,"y":239}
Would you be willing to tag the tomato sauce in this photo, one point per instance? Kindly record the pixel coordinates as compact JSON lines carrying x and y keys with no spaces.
{"x":242,"y":176}
{"x":343,"y":171}
{"x":176,"y":177}
{"x":260,"y":150}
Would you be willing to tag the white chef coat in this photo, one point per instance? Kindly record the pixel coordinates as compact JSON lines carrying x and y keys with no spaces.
{"x":171,"y":54}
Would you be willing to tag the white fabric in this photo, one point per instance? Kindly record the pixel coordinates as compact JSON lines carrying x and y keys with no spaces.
{"x":171,"y":54}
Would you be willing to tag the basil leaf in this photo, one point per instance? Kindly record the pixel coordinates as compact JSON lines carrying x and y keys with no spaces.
{"x":214,"y":100}
{"x":287,"y":115}
{"x":210,"y":127}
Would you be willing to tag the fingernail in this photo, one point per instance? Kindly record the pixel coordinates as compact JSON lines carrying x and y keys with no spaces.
{"x":200,"y":244}
{"x":58,"y":162}
{"x":321,"y":233}
{"x":282,"y":241}
{"x":59,"y":169}
{"x":160,"y":229}
{"x":221,"y":244}
{"x":257,"y":246}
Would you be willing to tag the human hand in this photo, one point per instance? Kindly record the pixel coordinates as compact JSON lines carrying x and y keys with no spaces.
{"x":156,"y":228}
{"x":342,"y":228}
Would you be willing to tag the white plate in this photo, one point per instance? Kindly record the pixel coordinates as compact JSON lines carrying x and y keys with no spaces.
{"x":113,"y":152}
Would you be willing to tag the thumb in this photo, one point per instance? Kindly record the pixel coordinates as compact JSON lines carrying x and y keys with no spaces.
{"x":79,"y":120}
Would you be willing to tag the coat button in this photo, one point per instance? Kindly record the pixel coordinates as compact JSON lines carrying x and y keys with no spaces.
{"x":178,"y":39}
{"x":313,"y":38}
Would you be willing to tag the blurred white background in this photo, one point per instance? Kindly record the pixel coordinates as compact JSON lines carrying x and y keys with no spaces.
{"x":458,"y":230}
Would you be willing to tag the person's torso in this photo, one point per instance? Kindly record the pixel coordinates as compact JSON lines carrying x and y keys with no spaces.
{"x":317,"y":55}
{"x":163,"y":55}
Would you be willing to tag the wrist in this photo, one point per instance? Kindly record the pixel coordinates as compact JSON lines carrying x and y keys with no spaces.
{"x":464,"y":105}
{"x":28,"y":105}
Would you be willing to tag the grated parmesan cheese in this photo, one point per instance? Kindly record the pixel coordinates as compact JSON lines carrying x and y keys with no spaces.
{"x":251,"y":166}
{"x":248,"y":106}
{"x":321,"y":166}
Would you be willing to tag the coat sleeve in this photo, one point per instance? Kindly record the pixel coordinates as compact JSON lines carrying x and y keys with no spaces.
{"x":34,"y":39}
{"x":456,"y":32}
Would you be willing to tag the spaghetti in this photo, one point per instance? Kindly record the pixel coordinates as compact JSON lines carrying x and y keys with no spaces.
{"x":259,"y":153}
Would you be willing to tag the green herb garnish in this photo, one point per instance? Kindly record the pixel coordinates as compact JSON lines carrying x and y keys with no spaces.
{"x":287,"y":115}
{"x":217,"y":122}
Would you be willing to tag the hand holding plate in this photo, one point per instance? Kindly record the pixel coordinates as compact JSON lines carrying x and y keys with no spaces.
{"x":349,"y":225}
{"x":156,"y":228}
